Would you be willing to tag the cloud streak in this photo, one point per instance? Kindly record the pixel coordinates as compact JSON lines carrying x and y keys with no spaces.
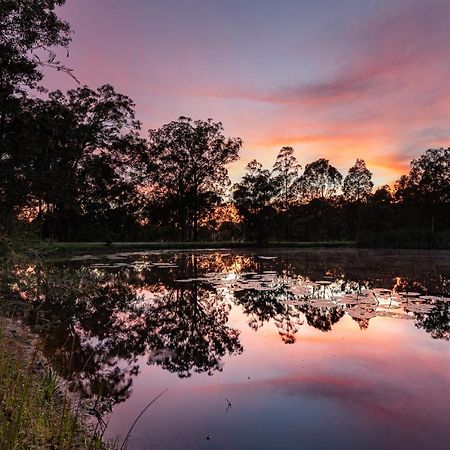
{"x":336,"y":79}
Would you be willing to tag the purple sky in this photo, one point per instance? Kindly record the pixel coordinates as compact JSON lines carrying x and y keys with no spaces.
{"x":336,"y":79}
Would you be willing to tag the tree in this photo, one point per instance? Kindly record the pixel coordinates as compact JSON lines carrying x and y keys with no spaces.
{"x":253,"y":197}
{"x":286,"y":169}
{"x":29,"y":30}
{"x":382,"y":196}
{"x":81,"y":158}
{"x":320,"y":180}
{"x":428,"y":183}
{"x":358,"y":184}
{"x":190,"y":159}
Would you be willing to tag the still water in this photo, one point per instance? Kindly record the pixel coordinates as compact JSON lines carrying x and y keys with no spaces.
{"x":265,"y":349}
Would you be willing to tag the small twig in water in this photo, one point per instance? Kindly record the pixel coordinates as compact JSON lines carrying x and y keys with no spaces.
{"x":124,"y":443}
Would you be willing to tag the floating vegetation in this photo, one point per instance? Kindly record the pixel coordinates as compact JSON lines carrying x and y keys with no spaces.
{"x":359,"y":300}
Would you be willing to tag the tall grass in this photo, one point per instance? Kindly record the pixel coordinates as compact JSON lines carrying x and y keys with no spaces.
{"x":34,"y":412}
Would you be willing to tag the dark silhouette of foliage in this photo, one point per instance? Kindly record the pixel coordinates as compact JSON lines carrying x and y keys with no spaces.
{"x":286,"y":170}
{"x":190,"y":331}
{"x":188,"y":168}
{"x":320,"y":180}
{"x":436,"y":322}
{"x":253,"y":197}
{"x":260,"y":307}
{"x":427,"y":186}
{"x":358,"y":184}
{"x":29,"y":30}
{"x":74,"y":167}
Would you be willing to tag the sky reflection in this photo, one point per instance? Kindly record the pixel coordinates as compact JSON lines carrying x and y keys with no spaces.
{"x":314,"y":349}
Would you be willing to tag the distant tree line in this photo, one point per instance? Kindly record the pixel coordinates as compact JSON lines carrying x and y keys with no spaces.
{"x":75,"y":166}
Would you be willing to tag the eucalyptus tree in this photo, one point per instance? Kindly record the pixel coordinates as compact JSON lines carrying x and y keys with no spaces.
{"x":320,"y":180}
{"x":254,"y":197}
{"x":358,"y":183}
{"x":188,"y":162}
{"x":286,"y":170}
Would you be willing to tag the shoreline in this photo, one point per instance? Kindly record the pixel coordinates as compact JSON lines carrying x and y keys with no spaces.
{"x":37,"y":409}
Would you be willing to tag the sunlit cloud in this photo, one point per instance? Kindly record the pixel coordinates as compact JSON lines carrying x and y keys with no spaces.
{"x":342,"y":81}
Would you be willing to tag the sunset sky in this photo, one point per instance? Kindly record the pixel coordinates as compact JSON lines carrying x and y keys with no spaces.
{"x":336,"y":79}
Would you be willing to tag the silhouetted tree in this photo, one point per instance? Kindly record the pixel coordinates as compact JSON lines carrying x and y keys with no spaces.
{"x":82,"y":158}
{"x":286,"y":170}
{"x":189,"y":331}
{"x":320,"y":180}
{"x":322,"y":318}
{"x":382,"y":196}
{"x":358,"y":184}
{"x":428,"y":183}
{"x":29,"y":31}
{"x":190,"y":159}
{"x":436,"y":322}
{"x":253,"y":197}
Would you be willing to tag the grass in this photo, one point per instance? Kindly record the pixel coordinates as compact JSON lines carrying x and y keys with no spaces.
{"x":34,"y":412}
{"x":99,"y":247}
{"x":404,"y":239}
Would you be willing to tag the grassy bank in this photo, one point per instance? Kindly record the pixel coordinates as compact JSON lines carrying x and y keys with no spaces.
{"x":96,"y":247}
{"x":34,"y":411}
{"x":404,"y":239}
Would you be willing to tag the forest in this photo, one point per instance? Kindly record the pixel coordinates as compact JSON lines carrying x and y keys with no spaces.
{"x":77,"y":166}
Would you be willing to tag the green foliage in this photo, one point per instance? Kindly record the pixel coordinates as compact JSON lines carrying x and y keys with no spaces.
{"x":33,"y":411}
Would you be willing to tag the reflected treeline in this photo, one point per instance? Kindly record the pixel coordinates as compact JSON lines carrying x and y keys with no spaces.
{"x":436,"y":322}
{"x":188,"y":331}
{"x":98,"y":321}
{"x":261,"y":307}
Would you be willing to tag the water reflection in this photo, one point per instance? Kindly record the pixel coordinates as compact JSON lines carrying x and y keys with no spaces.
{"x":172,"y":310}
{"x":187,"y":331}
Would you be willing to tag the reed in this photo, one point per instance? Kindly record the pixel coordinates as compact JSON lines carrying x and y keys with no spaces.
{"x":34,"y":410}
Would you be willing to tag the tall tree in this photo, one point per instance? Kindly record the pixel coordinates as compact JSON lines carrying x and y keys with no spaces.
{"x":428,"y":183}
{"x":254,"y":196}
{"x":29,"y":31}
{"x":320,"y":180}
{"x":82,"y":152}
{"x":286,"y":169}
{"x":190,"y":159}
{"x":358,"y":183}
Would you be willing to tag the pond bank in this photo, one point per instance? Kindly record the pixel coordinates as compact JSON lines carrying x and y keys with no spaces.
{"x":36,"y":410}
{"x":102,"y":247}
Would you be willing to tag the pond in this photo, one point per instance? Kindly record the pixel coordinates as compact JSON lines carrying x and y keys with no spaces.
{"x":263,"y":349}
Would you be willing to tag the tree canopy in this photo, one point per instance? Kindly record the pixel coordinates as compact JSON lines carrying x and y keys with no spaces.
{"x":188,"y":167}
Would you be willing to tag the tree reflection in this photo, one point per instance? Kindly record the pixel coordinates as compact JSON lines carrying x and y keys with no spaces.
{"x":99,"y":326}
{"x":436,"y":322}
{"x":190,"y":331}
{"x":262,"y":306}
{"x":322,"y":318}
{"x":96,"y":336}
{"x":96,"y":323}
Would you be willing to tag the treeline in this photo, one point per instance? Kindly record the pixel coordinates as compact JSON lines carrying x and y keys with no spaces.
{"x":76,"y":166}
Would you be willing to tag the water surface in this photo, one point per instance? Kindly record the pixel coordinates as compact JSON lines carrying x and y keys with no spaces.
{"x":266,"y":349}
